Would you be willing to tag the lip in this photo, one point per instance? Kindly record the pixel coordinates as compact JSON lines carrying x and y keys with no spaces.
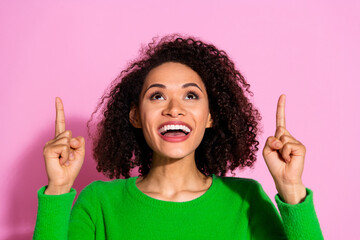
{"x":175,"y":123}
{"x":175,"y":139}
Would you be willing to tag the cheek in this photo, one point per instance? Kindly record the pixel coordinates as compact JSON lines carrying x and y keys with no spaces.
{"x":201,"y":114}
{"x":148,"y":132}
{"x":149,"y":123}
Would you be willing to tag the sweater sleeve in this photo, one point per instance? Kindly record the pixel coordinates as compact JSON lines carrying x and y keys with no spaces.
{"x":57,"y":220}
{"x":83,"y":215}
{"x":264,"y":219}
{"x":53,"y":215}
{"x":300,"y":220}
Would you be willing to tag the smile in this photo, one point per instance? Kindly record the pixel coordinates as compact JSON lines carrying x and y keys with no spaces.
{"x":174,"y":131}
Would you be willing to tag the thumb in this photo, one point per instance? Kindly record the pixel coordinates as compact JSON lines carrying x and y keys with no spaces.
{"x":79,"y":154}
{"x":272,"y":144}
{"x":78,"y":144}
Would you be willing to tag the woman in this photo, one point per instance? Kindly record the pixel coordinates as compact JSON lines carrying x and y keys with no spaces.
{"x":181,"y":113}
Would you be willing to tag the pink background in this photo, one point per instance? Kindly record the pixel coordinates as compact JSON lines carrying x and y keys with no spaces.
{"x":73,"y":49}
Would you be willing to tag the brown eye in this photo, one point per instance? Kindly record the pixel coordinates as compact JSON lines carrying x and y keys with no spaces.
{"x":156,"y":96}
{"x":192,"y":95}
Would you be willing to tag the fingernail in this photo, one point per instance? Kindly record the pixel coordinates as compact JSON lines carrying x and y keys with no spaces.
{"x":278,"y":144}
{"x":74,"y":141}
{"x":71,"y":155}
{"x":67,"y":163}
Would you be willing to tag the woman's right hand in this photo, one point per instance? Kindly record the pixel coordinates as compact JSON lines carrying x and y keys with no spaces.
{"x":64,"y":156}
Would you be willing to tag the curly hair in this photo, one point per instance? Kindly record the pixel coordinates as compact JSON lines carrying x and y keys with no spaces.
{"x":231,"y":142}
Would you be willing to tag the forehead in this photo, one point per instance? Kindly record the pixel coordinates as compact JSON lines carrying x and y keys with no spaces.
{"x":172,"y":73}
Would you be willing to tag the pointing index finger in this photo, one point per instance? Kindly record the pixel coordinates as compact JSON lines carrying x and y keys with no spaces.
{"x":280,"y":112}
{"x":60,"y":117}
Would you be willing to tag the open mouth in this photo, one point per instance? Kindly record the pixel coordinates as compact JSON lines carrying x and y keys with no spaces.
{"x":174,"y":133}
{"x":174,"y":130}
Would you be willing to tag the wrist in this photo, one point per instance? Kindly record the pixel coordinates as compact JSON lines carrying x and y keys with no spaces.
{"x":57,"y":190}
{"x":292,"y":194}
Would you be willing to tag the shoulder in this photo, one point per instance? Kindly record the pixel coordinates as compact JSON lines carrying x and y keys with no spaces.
{"x":98,"y":188}
{"x":249,"y":189}
{"x":243,"y":186}
{"x":106,"y":184}
{"x":240,"y":182}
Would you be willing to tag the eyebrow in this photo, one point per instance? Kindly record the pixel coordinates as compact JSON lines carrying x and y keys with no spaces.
{"x":163,"y":86}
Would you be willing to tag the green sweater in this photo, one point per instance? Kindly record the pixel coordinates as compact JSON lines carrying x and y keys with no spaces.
{"x":232,"y":208}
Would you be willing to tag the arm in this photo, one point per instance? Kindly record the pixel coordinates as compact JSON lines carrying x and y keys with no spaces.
{"x":284,"y":156}
{"x":264,"y":219}
{"x":83,"y":215}
{"x":300,"y":220}
{"x":53,"y":215}
{"x":64,"y":156}
{"x":56,"y":219}
{"x":297,"y":221}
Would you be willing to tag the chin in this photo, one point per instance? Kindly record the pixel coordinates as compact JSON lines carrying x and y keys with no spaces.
{"x":175,"y":154}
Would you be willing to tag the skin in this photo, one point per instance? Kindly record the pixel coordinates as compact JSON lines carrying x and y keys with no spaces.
{"x":63,"y":155}
{"x":173,"y":175}
{"x":284,"y":157}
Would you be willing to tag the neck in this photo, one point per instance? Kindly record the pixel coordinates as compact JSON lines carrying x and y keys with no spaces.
{"x":169,"y":176}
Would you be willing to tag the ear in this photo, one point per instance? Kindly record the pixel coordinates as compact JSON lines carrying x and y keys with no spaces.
{"x":209,"y":122}
{"x":134,"y":117}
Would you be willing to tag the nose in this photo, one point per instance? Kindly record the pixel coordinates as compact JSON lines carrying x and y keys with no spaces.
{"x":174,"y":109}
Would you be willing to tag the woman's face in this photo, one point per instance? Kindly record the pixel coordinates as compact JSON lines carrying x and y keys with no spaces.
{"x":173,"y":110}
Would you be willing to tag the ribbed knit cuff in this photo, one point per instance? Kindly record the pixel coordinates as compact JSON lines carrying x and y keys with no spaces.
{"x":300,"y":220}
{"x":308,"y":199}
{"x":53,"y":215}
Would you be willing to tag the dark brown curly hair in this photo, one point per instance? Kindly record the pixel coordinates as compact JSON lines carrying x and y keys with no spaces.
{"x":231,"y":142}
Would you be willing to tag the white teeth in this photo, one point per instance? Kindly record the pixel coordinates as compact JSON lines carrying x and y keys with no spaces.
{"x":174,"y":127}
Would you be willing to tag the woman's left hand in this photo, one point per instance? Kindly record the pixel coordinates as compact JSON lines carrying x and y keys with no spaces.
{"x":284,"y":157}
